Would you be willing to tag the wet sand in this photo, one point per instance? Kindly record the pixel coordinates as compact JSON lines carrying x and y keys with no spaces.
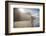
{"x":20,"y":24}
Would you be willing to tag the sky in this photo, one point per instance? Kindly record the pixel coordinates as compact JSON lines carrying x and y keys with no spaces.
{"x":33,"y":11}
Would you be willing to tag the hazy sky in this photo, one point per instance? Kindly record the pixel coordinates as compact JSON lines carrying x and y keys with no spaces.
{"x":33,"y":11}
